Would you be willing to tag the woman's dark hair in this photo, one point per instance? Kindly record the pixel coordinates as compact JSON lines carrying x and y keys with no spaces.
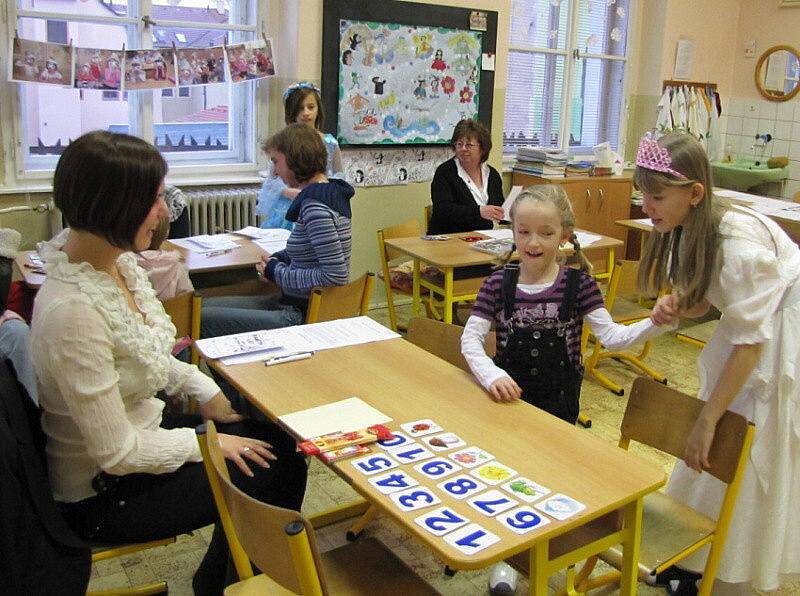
{"x":305,"y":152}
{"x":294,"y":103}
{"x":106,"y":183}
{"x":472,"y":129}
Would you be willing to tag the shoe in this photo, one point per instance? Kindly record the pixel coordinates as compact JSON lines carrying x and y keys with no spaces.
{"x":678,"y":582}
{"x":503,"y":580}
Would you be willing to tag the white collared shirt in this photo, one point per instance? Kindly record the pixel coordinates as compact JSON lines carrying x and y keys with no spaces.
{"x":481,"y":195}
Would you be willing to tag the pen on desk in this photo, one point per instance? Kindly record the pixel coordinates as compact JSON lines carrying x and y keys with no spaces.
{"x":216,"y":253}
{"x":288,"y":358}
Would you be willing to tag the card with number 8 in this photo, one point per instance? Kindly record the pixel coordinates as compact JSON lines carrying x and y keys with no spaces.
{"x":460,"y":487}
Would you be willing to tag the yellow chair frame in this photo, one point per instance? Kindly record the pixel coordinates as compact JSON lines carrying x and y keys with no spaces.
{"x":103,"y":553}
{"x":184,"y":310}
{"x":673,"y":531}
{"x":599,"y":353}
{"x":341,"y":302}
{"x":387,"y":255}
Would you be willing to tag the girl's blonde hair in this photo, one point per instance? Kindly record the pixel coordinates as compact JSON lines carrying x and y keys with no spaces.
{"x":691,"y":248}
{"x":556,"y":196}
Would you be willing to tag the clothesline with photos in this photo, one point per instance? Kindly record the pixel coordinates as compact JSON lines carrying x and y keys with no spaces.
{"x":691,"y":107}
{"x":47,"y":63}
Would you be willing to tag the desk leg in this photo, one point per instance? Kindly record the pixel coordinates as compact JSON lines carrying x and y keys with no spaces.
{"x":538,"y":576}
{"x":416,"y":303}
{"x":630,"y":548}
{"x":612,"y":261}
{"x":447,"y":315}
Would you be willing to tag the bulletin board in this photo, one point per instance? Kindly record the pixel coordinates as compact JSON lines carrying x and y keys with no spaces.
{"x":403,"y":73}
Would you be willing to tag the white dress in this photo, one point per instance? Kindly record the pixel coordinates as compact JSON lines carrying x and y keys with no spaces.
{"x":756,"y":289}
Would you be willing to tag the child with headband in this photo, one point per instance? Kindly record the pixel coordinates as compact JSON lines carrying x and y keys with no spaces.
{"x":302,"y":104}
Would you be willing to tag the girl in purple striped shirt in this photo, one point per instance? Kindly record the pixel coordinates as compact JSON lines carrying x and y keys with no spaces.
{"x":538,"y":307}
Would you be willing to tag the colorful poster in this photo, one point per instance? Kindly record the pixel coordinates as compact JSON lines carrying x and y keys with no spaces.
{"x":150,"y":69}
{"x":97,"y":69}
{"x":405,"y":84}
{"x":200,"y":66}
{"x":251,"y":60}
{"x":41,"y":62}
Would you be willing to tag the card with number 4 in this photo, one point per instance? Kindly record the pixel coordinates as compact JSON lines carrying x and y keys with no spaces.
{"x":419,"y":428}
{"x":444,"y":441}
{"x":392,"y":482}
{"x":560,"y":506}
{"x":471,"y":539}
{"x":461,"y":487}
{"x":437,"y":468}
{"x":492,"y":502}
{"x":400,"y":440}
{"x":522,"y":519}
{"x":372,"y":464}
{"x":415,"y":498}
{"x":471,"y":457}
{"x":526,"y":489}
{"x":441,"y":520}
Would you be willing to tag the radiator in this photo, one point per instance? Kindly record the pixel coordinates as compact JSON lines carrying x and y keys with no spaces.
{"x":212,"y":211}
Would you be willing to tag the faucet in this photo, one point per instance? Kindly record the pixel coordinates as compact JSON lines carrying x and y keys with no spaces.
{"x":760,"y":143}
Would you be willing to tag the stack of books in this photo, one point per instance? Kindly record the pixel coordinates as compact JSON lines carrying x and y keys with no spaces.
{"x":546,"y":162}
{"x":578,"y":168}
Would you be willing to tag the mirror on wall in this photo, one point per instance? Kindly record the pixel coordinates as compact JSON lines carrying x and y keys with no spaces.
{"x":778,"y":73}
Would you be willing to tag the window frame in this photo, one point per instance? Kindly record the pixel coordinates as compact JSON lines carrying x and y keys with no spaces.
{"x":248,"y":107}
{"x":571,"y":54}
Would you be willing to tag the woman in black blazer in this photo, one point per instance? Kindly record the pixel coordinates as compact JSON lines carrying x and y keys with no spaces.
{"x":466,"y":193}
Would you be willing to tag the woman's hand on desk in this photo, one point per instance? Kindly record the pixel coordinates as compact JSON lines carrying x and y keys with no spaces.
{"x":505,"y":389}
{"x":492,"y":212}
{"x":219,"y":409}
{"x":238,"y":448}
{"x":261,"y":267}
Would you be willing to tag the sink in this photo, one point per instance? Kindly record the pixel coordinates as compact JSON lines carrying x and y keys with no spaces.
{"x":743,"y":174}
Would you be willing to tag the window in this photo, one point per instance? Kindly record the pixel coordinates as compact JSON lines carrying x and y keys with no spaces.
{"x":566,"y":69}
{"x":208,"y":126}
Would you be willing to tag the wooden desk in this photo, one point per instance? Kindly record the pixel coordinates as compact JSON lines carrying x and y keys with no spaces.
{"x":31,"y":278}
{"x":244,"y":257}
{"x":535,"y":444}
{"x":448,"y":255}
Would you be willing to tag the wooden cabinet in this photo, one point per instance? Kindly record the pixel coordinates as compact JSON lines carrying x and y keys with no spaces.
{"x":598,"y":202}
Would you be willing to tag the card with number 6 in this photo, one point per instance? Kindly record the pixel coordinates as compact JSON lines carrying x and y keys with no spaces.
{"x":437,"y":468}
{"x":522,"y":519}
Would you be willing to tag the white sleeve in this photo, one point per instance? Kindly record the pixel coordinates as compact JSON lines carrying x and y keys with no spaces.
{"x":188,"y":381}
{"x":615,"y":335}
{"x":472,"y":347}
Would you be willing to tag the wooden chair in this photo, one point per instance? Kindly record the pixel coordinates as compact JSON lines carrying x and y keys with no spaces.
{"x":389,"y":257}
{"x":796,"y":197}
{"x":426,"y":216}
{"x":341,"y":302}
{"x":184,"y":310}
{"x":622,"y":269}
{"x":283,"y":545}
{"x":663,"y":418}
{"x":443,"y":340}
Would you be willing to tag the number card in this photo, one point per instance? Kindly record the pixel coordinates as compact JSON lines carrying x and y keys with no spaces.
{"x":492,"y":502}
{"x":415,"y":498}
{"x":414,"y":452}
{"x":372,"y":464}
{"x":437,"y":468}
{"x":461,"y":487}
{"x":526,"y":490}
{"x":441,"y":520}
{"x":522,"y":520}
{"x":444,"y":441}
{"x":392,"y":482}
{"x":399,"y":440}
{"x":560,"y":506}
{"x":419,"y":428}
{"x":471,"y":539}
{"x":471,"y":457}
{"x":493,"y":473}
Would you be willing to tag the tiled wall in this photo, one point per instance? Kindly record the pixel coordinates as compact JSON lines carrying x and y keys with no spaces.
{"x":744,"y":118}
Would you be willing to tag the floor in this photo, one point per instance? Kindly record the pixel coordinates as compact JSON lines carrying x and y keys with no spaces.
{"x":176,"y":563}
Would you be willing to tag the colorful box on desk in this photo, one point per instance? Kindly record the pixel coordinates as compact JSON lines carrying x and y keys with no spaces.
{"x":340,"y":445}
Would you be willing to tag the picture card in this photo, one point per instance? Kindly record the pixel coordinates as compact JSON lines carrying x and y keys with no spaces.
{"x":400,"y":440}
{"x":150,"y":69}
{"x":560,"y":506}
{"x":392,"y":482}
{"x":96,"y":68}
{"x":526,"y":489}
{"x":461,"y":487}
{"x":437,"y":468}
{"x":372,"y":464}
{"x":471,"y":539}
{"x":415,"y":498}
{"x":250,"y":60}
{"x":492,"y":502}
{"x":471,"y":457}
{"x":522,"y":520}
{"x":41,"y":62}
{"x":411,"y":453}
{"x":493,"y":473}
{"x":444,"y":441}
{"x":200,"y":66}
{"x":441,"y":520}
{"x":419,"y":428}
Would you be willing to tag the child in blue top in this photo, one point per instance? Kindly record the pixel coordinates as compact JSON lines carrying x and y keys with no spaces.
{"x":302,"y":104}
{"x":538,"y":309}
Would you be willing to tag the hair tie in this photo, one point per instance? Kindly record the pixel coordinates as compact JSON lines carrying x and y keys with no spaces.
{"x":301,"y":85}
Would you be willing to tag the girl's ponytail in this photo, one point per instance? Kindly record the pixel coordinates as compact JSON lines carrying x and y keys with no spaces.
{"x":584,"y":263}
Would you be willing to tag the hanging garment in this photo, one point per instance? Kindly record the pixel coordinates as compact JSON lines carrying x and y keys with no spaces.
{"x":663,"y":115}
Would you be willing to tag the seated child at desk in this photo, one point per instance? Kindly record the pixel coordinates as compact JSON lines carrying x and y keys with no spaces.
{"x":538,"y":308}
{"x":165,"y":268}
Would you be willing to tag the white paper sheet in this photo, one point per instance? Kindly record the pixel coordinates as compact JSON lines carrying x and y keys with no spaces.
{"x":512,"y":196}
{"x":499,"y":233}
{"x":271,"y":245}
{"x":206,"y":242}
{"x":342,"y":416}
{"x":249,"y":343}
{"x":263,"y":233}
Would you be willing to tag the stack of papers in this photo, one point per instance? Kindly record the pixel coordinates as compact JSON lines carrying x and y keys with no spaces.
{"x":253,"y":342}
{"x":346,"y":415}
{"x":498,"y":247}
{"x":206,"y":243}
{"x":273,"y":240}
{"x":263,"y":233}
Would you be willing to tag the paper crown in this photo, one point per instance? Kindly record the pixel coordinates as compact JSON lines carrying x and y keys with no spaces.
{"x":302,"y":85}
{"x":653,"y":156}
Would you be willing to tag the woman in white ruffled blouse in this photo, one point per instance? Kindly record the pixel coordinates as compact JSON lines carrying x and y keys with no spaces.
{"x":101,"y":345}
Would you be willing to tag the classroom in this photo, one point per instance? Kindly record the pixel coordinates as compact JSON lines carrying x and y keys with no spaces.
{"x":424,"y":297}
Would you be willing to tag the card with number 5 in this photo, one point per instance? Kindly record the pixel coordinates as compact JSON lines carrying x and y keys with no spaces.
{"x":415,"y":498}
{"x":372,"y":464}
